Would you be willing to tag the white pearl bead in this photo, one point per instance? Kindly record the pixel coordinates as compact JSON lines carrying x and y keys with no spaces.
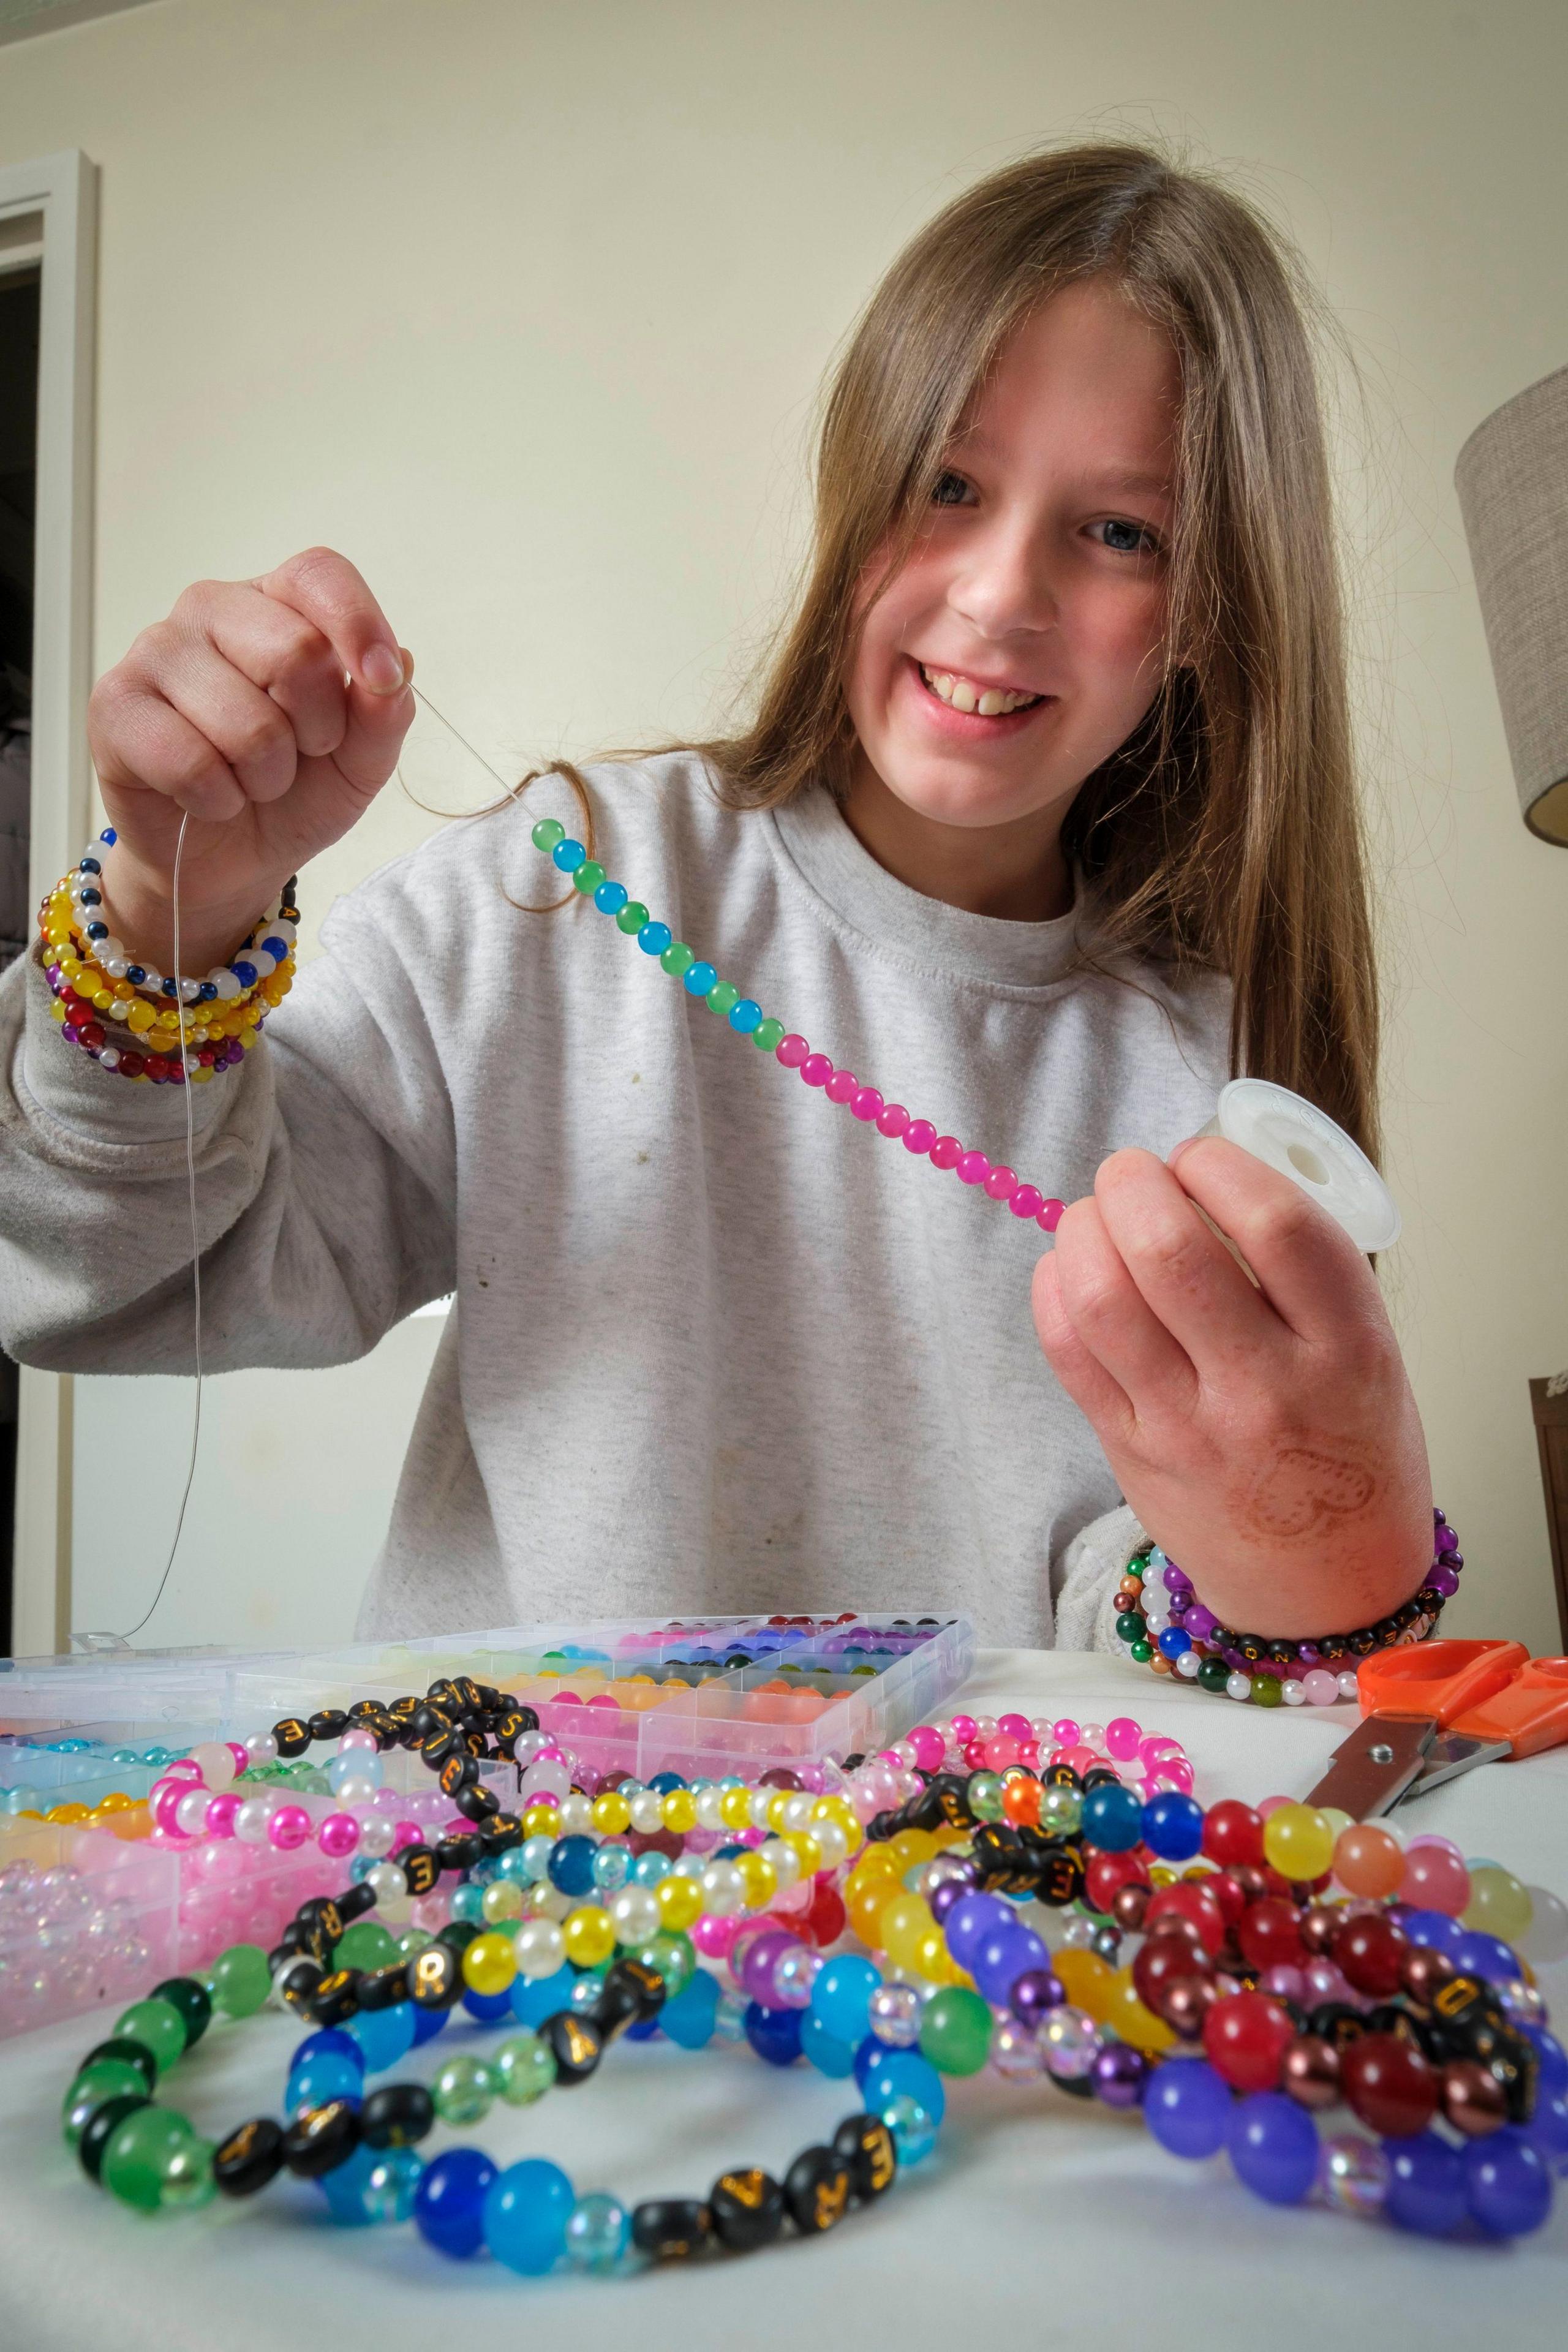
{"x":392,"y":1894}
{"x":709,"y":1815}
{"x":1294,"y":1693}
{"x":576,"y":1815}
{"x":797,"y":1810}
{"x":1238,"y":1686}
{"x":831,"y":1837}
{"x":223,"y":980}
{"x":647,"y":1809}
{"x":1349,"y":1688}
{"x":215,"y":1765}
{"x":250,"y":1822}
{"x":261,"y":1748}
{"x":725,"y":1888}
{"x":191,"y":1812}
{"x":1187,"y":1666}
{"x":539,"y":1947}
{"x":377,"y":1831}
{"x":785,"y":1860}
{"x":761,"y":1800}
{"x":635,"y":1914}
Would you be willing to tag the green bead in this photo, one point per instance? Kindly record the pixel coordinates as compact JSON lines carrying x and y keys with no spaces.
{"x":955,"y":2031}
{"x":106,"y":2079}
{"x":1141,"y":1653}
{"x":158,"y":2026}
{"x":547,"y":833}
{"x":677,"y":957}
{"x":187,"y":2178}
{"x":632,"y":918}
{"x":464,"y":2089}
{"x":1265,"y":1691}
{"x":984,"y":1795}
{"x":525,"y":2069}
{"x":365,"y":1945}
{"x":1130,"y":1625}
{"x":193,"y":2001}
{"x":238,"y":1981}
{"x":674,"y":1956}
{"x":588,"y":877}
{"x":137,"y":2155}
{"x":721,"y":996}
{"x":412,"y":1941}
{"x":1061,"y":1812}
{"x":1213,"y":1674}
{"x":765,"y":1036}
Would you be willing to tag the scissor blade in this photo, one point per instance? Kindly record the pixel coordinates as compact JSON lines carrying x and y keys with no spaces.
{"x":1373,"y":1769}
{"x":1449,"y":1755}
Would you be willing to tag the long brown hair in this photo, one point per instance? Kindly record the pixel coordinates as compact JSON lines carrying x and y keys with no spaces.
{"x":1227,"y":831}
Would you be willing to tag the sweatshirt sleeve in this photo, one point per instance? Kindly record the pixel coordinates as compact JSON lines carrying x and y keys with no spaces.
{"x":1090,"y":1571}
{"x":325,"y":1177}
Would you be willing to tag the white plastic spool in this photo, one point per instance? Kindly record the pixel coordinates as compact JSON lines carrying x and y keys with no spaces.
{"x":1300,"y":1142}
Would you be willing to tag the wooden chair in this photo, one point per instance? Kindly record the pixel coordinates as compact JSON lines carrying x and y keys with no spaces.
{"x":1551,"y":1436}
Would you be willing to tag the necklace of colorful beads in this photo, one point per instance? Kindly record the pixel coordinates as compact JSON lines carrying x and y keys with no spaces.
{"x":744,"y":1015}
{"x":1166,"y":1627}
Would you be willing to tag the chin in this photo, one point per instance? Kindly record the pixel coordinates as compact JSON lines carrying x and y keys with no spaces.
{"x":942,"y":796}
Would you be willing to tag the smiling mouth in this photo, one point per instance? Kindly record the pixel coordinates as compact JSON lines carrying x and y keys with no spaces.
{"x":974,"y":700}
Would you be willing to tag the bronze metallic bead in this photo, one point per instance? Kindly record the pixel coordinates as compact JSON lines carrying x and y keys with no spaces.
{"x":1252,"y":1881}
{"x":1128,"y":1905}
{"x":1185,"y":2001}
{"x":1176,"y":1922}
{"x":1318,"y":1925}
{"x":1309,"y":2071}
{"x":1473,"y":2100}
{"x":1423,"y":1970}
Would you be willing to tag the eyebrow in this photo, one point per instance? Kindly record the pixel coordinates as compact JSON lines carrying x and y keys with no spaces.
{"x":1132,"y":483}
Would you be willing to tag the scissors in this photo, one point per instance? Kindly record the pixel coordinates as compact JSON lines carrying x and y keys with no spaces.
{"x":1434,"y":1709}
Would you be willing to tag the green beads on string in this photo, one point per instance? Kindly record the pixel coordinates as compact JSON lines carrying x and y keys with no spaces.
{"x":523,"y":2067}
{"x":238,"y":1981}
{"x":464,"y":2089}
{"x":632,"y":918}
{"x":768,"y":1036}
{"x":547,"y":833}
{"x":677,"y":959}
{"x":721,"y":996}
{"x":1265,"y":1691}
{"x":140,"y":2153}
{"x":158,"y":2026}
{"x":983,"y":1795}
{"x":588,"y":877}
{"x":105,"y":2079}
{"x":955,"y":2031}
{"x":365,"y":1945}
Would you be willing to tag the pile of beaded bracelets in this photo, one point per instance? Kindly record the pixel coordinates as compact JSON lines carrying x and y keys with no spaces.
{"x":1167,"y":1628}
{"x":125,"y":1013}
{"x":746,"y":1017}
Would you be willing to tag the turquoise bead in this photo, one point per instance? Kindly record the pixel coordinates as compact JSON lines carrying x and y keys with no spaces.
{"x":698,"y":978}
{"x":610,"y":898}
{"x":568,"y":855}
{"x":598,"y":2230}
{"x":745,"y":1015}
{"x":526,"y":2211}
{"x":654,"y":938}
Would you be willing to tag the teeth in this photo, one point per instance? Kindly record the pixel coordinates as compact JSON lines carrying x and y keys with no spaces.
{"x":990,"y":702}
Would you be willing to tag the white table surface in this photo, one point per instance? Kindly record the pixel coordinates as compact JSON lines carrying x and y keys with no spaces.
{"x":1039,"y":2221}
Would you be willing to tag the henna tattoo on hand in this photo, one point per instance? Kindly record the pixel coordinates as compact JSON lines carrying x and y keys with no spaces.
{"x":1305,"y":1490}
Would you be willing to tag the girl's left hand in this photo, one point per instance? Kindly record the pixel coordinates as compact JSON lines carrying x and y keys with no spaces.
{"x":1267,"y":1438}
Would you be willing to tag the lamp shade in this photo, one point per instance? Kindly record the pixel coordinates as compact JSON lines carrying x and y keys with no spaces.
{"x":1512,"y":481}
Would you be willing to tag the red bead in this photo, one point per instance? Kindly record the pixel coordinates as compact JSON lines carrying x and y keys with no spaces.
{"x":1388,"y":2083}
{"x":1162,"y":1962}
{"x":1229,"y":1893}
{"x":826,"y":1918}
{"x":132,"y":1065}
{"x":1192,"y":1902}
{"x":92,"y":1034}
{"x":1245,"y":2038}
{"x":1233,"y":1832}
{"x":1268,"y":1934}
{"x":1371,"y":1951}
{"x":1106,"y":1874}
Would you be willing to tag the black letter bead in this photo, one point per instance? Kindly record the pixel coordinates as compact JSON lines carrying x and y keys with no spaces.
{"x":99,"y":2129}
{"x":671,"y":2229}
{"x":474,"y":1803}
{"x":630,"y":1992}
{"x":817,"y":2190}
{"x":250,"y":2157}
{"x":578,"y":2043}
{"x":296,"y":1981}
{"x":127,"y":2054}
{"x":384,"y":1988}
{"x":460,"y":1851}
{"x":336,"y":1997}
{"x":396,"y":2116}
{"x":866,"y":2144}
{"x":320,"y":2138}
{"x":435,"y":1976}
{"x":419,"y":1867}
{"x":292,"y":1736}
{"x":330,"y":1722}
{"x":748,"y":2209}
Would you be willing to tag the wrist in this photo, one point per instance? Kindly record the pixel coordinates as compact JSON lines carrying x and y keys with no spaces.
{"x":140,"y":907}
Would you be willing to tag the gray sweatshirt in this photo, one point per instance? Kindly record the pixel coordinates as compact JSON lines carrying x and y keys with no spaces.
{"x":716,"y":1343}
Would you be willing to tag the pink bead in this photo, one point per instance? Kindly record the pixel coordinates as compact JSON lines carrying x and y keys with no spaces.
{"x":919,"y":1135}
{"x":241,"y":1760}
{"x":1122,"y":1738}
{"x":606,"y":1698}
{"x":1082,"y":1760}
{"x":162,"y":1798}
{"x":1434,"y":1880}
{"x":892,"y":1120}
{"x":842,"y":1085}
{"x":338,"y":1836}
{"x":405,"y":1833}
{"x":1064,"y":1730}
{"x":714,"y":1937}
{"x":1321,"y":1687}
{"x":1000,"y":1752}
{"x":791,"y":1051}
{"x":927,"y":1744}
{"x":816,"y":1069}
{"x":185,"y":1768}
{"x":1016,"y":1727}
{"x":962,"y":1729}
{"x":431,"y":1913}
{"x":1026,"y":1201}
{"x":289,"y":1827}
{"x":221,"y":1811}
{"x":1049,"y":1214}
{"x":946,"y":1151}
{"x":1002,"y":1183}
{"x":866,"y":1103}
{"x":973,"y":1169}
{"x":1267,"y":1805}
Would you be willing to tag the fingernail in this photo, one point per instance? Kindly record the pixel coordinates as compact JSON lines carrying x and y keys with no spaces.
{"x":1175,"y":1155}
{"x":382,"y":670}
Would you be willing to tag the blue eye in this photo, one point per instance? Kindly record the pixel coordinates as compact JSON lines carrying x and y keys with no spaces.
{"x":1129,"y":539}
{"x":951,"y":489}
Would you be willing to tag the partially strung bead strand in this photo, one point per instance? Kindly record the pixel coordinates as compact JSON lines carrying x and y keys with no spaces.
{"x":746,"y":1017}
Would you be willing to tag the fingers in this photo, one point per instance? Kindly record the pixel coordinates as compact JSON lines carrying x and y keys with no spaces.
{"x":1312,"y":1274}
{"x":1184,"y":1272}
{"x":325,"y":589}
{"x":278,"y":650}
{"x":372,"y":737}
{"x":1091,"y":1388}
{"x":249,"y":731}
{"x":141,"y":742}
{"x":1113,"y":1320}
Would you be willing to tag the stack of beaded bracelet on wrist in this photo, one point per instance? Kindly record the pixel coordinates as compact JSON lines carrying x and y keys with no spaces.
{"x":1167,"y":1628}
{"x":126,"y":1014}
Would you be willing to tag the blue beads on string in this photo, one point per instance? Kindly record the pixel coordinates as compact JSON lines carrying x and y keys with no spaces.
{"x":1112,"y":1819}
{"x":654,"y":938}
{"x":1272,"y":2144}
{"x":526,"y":2210}
{"x":450,"y":2202}
{"x":698,"y":979}
{"x":746,"y":1016}
{"x":610,"y":898}
{"x":568,"y":855}
{"x":1172,"y":1824}
{"x":1187,"y":2107}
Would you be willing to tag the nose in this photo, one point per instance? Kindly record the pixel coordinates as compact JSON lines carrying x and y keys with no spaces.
{"x":1005,"y":586}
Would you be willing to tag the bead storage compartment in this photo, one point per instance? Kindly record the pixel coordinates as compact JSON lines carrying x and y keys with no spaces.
{"x":84,"y":1917}
{"x":81,"y":1764}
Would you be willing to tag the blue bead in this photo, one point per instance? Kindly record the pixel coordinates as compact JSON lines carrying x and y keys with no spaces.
{"x":171,"y":988}
{"x":244,"y":972}
{"x":428,"y":2022}
{"x":665,"y":1781}
{"x":746,"y":1016}
{"x":610,"y":898}
{"x":384,"y":2035}
{"x":1549,"y":2128}
{"x":1425,"y":2184}
{"x":331,"y":2042}
{"x":534,"y":1999}
{"x":449,"y":2204}
{"x":1434,"y":1928}
{"x":572,"y":1865}
{"x":654,"y":938}
{"x":487,"y":2006}
{"x":98,"y":930}
{"x":344,"y":2190}
{"x":841,"y":2000}
{"x":650,"y":1868}
{"x":1554,"y":2083}
{"x":688,"y":2018}
{"x":324,"y":2078}
{"x":526,"y":2211}
{"x":773,"y":2033}
{"x":91,"y":865}
{"x":109,"y":836}
{"x":206,"y":992}
{"x":822,"y":2049}
{"x":136,"y":973}
{"x":568,"y":855}
{"x":645,"y":2028}
{"x":276,"y":947}
{"x":1172,"y":1825}
{"x":91,"y":898}
{"x":903,"y":2073}
{"x":1003,"y":1957}
{"x":1481,"y":1955}
{"x":1187,"y":2107}
{"x":1507,"y":2185}
{"x":1112,"y":1820}
{"x":698,"y":978}
{"x":972,"y":1918}
{"x":1174,"y":1640}
{"x":1273,"y":2145}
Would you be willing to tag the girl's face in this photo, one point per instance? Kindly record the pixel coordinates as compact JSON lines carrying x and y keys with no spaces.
{"x":1022,"y":642}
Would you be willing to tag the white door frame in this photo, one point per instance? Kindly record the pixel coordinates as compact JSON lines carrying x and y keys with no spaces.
{"x":62,"y":189}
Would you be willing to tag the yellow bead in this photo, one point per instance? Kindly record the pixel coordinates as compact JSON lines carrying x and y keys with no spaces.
{"x":761,"y":1880}
{"x":865,"y":1906}
{"x":589,"y":1935}
{"x":678,"y":1811}
{"x":56,"y":1011}
{"x":777,"y":1804}
{"x":611,"y":1813}
{"x":118,"y":1801}
{"x":502,"y":1900}
{"x":911,"y":1846}
{"x":542,"y":1820}
{"x":140,"y":1015}
{"x":877,"y":1862}
{"x":1089,"y":1983}
{"x":489,"y":1964}
{"x":903,"y":1927}
{"x":103,"y":999}
{"x":1499,"y":1904}
{"x":735,"y":1809}
{"x":930,"y":1959}
{"x":802,"y":1843}
{"x":680,"y":1902}
{"x":1126,"y":2014}
{"x":68,"y":1816}
{"x":1298,"y":1841}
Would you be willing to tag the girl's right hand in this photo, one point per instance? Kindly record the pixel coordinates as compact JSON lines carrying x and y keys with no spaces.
{"x":272,"y":711}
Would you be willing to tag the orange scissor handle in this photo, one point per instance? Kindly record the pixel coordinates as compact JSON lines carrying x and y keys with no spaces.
{"x":1438,"y":1680}
{"x":1531,"y":1712}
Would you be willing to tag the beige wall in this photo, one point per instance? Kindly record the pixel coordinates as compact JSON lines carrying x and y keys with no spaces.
{"x":523,"y":306}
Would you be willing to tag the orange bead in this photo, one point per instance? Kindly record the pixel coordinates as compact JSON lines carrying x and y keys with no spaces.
{"x":1021,"y":1803}
{"x":1367,"y":1861}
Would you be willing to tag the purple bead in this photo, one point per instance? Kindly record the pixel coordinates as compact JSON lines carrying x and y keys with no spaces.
{"x":971,"y":1920}
{"x":1174,"y":1580}
{"x":1507,"y":2183}
{"x":1200,"y":1621}
{"x":943,"y":1898}
{"x":1119,"y":2075}
{"x":1273,"y":2145}
{"x":1187,"y":2108}
{"x":757,"y":1969}
{"x":1444,"y":1580}
{"x":1005,"y":1954}
{"x":1034,"y":1994}
{"x":1425,"y":2185}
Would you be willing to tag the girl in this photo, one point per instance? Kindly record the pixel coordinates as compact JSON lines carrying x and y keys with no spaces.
{"x":1046,"y":822}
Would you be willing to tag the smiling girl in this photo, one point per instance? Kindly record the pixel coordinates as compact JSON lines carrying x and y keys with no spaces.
{"x":1045,"y":826}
